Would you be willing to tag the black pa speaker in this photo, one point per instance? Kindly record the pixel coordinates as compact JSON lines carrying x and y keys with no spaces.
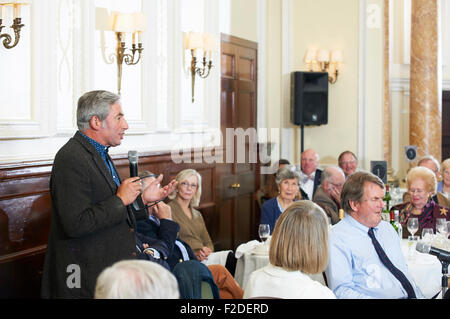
{"x":379,"y":168}
{"x":309,"y":98}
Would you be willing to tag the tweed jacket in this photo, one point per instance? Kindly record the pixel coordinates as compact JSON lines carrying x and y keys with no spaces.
{"x":329,"y":205}
{"x":90,"y":227}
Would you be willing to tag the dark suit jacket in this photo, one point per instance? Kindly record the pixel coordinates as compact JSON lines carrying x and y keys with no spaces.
{"x":270,"y":213}
{"x":317,"y":180}
{"x":158,"y":245}
{"x":90,"y":228}
{"x":166,"y":231}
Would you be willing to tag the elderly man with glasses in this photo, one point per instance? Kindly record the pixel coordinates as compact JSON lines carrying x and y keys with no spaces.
{"x":348,"y":162}
{"x":328,"y":193}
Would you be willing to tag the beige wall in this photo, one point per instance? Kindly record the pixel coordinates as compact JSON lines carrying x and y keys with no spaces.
{"x":244,"y":19}
{"x":330,"y":25}
{"x":273,"y":67}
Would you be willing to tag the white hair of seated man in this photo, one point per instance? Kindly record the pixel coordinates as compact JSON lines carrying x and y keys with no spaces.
{"x":136,"y":279}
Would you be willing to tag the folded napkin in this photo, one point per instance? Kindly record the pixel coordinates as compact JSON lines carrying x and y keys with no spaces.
{"x":243,"y":248}
{"x":218,"y":257}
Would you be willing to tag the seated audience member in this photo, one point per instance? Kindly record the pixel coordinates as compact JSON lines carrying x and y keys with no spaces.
{"x":136,"y":279}
{"x":298,"y":249}
{"x":160,"y":226}
{"x":429,"y":162}
{"x":444,"y":185}
{"x":348,"y":161}
{"x":192,"y":226}
{"x":271,"y":187}
{"x":287,"y":181}
{"x":421,"y":185}
{"x":328,"y":195}
{"x":366,"y":259}
{"x":309,"y":174}
{"x":433,"y":164}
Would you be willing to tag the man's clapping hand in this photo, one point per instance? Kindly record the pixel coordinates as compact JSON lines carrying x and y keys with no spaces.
{"x":154,"y":192}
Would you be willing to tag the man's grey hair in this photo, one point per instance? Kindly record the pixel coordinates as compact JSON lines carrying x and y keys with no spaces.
{"x":327,"y":174}
{"x":286,"y":172}
{"x":94,"y":103}
{"x":136,"y":279}
{"x":430,"y":158}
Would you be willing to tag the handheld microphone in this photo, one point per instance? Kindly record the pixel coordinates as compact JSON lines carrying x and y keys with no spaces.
{"x":442,"y":255}
{"x":133,"y":158}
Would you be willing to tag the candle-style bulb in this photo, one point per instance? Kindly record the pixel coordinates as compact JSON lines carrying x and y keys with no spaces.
{"x":16,"y":11}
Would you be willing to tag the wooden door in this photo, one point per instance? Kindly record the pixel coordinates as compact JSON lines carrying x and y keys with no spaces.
{"x":237,"y":177}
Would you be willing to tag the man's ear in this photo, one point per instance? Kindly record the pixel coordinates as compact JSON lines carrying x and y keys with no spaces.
{"x":95,"y":123}
{"x":354,"y":205}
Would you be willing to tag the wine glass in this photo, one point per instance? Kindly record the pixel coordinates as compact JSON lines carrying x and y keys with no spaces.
{"x":412,"y":225}
{"x":264,"y":231}
{"x":441,"y":226}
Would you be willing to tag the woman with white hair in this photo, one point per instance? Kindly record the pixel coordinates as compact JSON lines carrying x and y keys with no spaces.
{"x":136,"y":279}
{"x":421,"y":184}
{"x":287,"y":180}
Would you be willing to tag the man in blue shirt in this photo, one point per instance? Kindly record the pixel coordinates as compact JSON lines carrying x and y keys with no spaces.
{"x":366,"y":259}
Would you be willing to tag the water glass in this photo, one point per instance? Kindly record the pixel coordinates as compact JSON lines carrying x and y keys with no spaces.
{"x":412,"y":242}
{"x":441,"y":226}
{"x":264,"y":231}
{"x":427,"y":232}
{"x":448,"y":228}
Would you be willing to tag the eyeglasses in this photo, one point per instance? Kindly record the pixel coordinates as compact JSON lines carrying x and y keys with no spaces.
{"x":337,"y":185}
{"x":187,"y":185}
{"x":418,"y":191}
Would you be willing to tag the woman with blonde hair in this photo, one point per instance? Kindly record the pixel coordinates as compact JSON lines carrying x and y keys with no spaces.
{"x":297,"y":257}
{"x":444,"y":185}
{"x":421,"y":184}
{"x":192,"y":226}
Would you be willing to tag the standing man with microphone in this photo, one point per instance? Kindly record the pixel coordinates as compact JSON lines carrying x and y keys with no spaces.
{"x":93,"y":224}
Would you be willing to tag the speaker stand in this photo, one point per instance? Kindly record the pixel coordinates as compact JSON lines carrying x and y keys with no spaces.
{"x":302,"y":139}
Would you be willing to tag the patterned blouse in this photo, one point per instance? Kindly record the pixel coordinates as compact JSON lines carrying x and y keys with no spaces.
{"x":427,"y":219}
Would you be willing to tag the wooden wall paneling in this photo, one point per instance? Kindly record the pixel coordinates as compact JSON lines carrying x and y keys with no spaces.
{"x":25,"y":212}
{"x":24,"y":224}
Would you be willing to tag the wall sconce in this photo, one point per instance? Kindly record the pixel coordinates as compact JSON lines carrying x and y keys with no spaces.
{"x":17,"y":22}
{"x":200,"y":41}
{"x":324,"y":61}
{"x":121,"y":24}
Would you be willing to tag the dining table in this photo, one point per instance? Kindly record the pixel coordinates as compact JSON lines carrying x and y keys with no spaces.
{"x":425,"y":269}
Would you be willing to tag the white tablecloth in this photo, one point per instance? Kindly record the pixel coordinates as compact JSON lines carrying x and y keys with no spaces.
{"x":424,"y":268}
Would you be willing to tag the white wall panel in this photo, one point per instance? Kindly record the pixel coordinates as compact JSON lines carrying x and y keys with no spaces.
{"x":60,"y":57}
